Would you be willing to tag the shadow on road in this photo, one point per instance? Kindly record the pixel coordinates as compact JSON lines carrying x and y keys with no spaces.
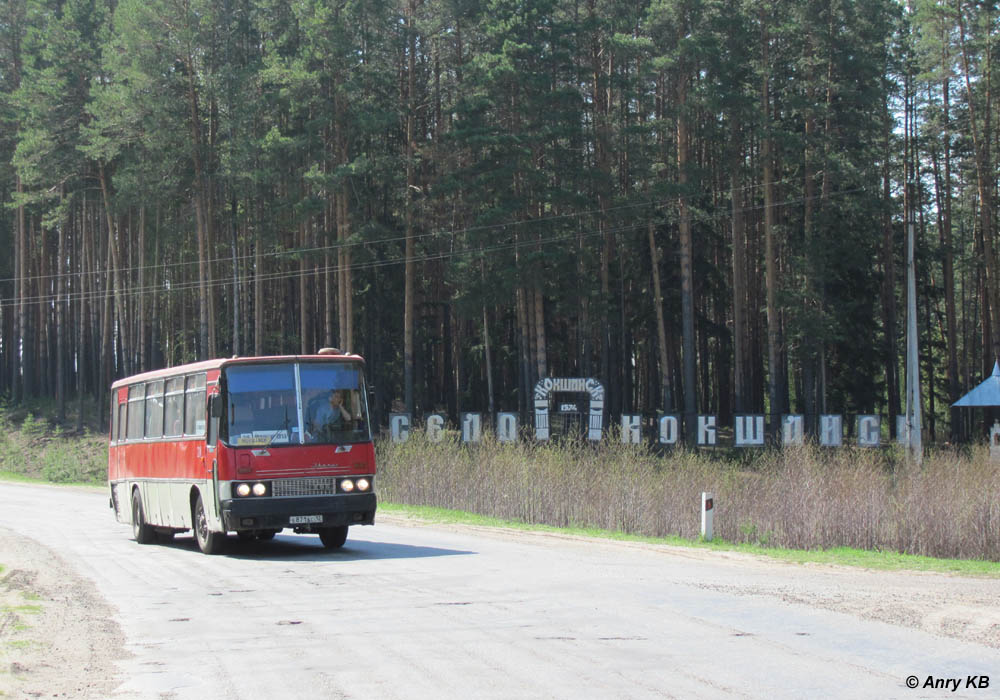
{"x":309,"y":548}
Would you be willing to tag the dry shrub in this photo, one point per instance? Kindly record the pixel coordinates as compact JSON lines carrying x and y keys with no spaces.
{"x":804,"y":497}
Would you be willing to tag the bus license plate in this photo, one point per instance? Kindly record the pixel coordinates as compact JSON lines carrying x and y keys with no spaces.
{"x":300,"y":519}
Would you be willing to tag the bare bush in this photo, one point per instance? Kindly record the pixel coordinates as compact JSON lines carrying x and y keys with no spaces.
{"x":805,"y":497}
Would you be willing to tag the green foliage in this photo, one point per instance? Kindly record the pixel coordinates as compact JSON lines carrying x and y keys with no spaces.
{"x":32,"y":427}
{"x":37,"y":450}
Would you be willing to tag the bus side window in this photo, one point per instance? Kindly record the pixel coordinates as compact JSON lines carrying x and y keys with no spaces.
{"x":136,"y":415}
{"x":194,"y":405}
{"x":215,"y":402}
{"x":122,"y":415}
{"x":154,"y":409}
{"x":174,"y":408}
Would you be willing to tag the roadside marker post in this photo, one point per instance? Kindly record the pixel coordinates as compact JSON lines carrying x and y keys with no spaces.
{"x":707,"y":515}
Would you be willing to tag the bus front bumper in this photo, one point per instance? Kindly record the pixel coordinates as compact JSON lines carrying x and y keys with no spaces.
{"x":304,"y":514}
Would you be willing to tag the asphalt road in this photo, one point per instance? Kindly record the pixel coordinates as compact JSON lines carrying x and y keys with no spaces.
{"x":414,"y":611}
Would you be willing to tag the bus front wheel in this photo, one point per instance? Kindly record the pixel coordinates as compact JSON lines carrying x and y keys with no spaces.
{"x":143,"y":533}
{"x":209,"y":542}
{"x":333,"y":537}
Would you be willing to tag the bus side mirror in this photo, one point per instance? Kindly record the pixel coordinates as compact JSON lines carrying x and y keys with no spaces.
{"x":215,"y":406}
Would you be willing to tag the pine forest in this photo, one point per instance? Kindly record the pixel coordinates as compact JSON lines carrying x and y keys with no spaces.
{"x":703,"y":204}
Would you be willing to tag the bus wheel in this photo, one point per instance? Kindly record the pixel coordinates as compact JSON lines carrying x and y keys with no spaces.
{"x":143,"y":533}
{"x":333,"y":537}
{"x":209,"y":542}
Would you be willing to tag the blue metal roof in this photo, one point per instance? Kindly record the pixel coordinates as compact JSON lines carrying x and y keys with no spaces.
{"x":986,"y":394}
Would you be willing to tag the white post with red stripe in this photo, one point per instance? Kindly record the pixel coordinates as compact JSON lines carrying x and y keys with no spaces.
{"x":707,"y":515}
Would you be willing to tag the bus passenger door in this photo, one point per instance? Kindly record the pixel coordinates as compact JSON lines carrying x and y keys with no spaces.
{"x":120,"y":415}
{"x":212,"y":444}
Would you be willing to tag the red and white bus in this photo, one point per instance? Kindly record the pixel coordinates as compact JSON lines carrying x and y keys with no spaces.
{"x":250,"y":445}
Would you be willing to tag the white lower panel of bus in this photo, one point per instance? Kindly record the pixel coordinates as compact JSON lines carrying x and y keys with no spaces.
{"x":166,"y":502}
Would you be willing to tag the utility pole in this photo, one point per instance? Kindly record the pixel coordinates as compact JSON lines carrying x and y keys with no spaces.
{"x":914,"y":441}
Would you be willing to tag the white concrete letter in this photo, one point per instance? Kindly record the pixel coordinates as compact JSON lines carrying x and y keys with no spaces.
{"x":869,"y":431}
{"x":669,"y":430}
{"x":507,"y":427}
{"x":471,"y":427}
{"x":792,"y":430}
{"x":435,"y":427}
{"x":707,"y":432}
{"x":749,"y":431}
{"x":831,"y":430}
{"x":399,"y":427}
{"x":631,"y":429}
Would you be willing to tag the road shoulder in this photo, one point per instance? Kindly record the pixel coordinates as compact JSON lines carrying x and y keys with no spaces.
{"x":58,"y":636}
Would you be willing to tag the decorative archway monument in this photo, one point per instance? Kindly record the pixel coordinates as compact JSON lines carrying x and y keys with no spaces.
{"x":545,"y":391}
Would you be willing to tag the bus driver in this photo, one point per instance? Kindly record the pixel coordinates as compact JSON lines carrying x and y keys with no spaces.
{"x":331,"y":416}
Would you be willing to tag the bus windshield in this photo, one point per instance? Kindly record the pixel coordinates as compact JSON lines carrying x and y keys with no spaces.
{"x":262,"y":404}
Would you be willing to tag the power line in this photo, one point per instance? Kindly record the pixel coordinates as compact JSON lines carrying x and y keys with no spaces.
{"x":676,"y":199}
{"x":227,"y":281}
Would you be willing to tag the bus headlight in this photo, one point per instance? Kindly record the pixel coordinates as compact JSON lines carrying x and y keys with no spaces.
{"x":363,"y":484}
{"x":258,"y":489}
{"x":347,"y":485}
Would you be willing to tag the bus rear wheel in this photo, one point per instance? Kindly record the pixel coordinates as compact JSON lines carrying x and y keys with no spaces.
{"x":209,"y":542}
{"x":333,"y":537}
{"x":143,"y":532}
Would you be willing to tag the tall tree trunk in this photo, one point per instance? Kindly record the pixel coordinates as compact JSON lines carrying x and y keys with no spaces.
{"x":524,"y":368}
{"x":84,"y":294}
{"x":489,"y":363}
{"x":661,"y":325}
{"x":258,"y":294}
{"x":345,"y":300}
{"x":140,"y":321}
{"x":60,"y":270}
{"x":770,"y":255}
{"x":888,"y":261}
{"x":234,"y":245}
{"x":206,"y":304}
{"x":602,"y":155}
{"x":740,"y":336}
{"x":43,"y":369}
{"x":686,"y":261}
{"x":24,"y":383}
{"x":410,"y":267}
{"x":304,"y":310}
{"x":543,"y":368}
{"x":329,"y":224}
{"x":948,"y":271}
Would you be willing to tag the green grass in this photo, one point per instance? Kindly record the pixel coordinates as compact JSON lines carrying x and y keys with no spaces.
{"x":840,"y":556}
{"x":26,"y":609}
{"x":22,"y":478}
{"x":29,"y":479}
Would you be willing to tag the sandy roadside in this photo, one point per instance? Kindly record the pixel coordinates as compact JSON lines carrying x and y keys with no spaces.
{"x":58,"y":637}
